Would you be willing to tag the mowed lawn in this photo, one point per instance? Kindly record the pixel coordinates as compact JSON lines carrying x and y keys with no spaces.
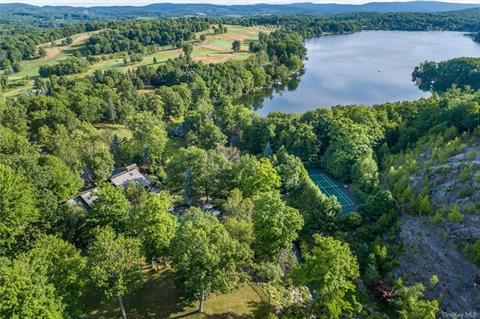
{"x":160,"y":298}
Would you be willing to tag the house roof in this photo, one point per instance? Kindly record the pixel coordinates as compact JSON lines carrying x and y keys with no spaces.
{"x":130,"y":175}
{"x":89,"y":196}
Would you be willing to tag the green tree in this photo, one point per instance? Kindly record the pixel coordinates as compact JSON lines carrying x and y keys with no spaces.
{"x":26,"y":293}
{"x":300,"y":139}
{"x":42,"y":52}
{"x":206,"y":170}
{"x":255,"y":177}
{"x":206,"y":259}
{"x":331,"y":269}
{"x":3,"y":83}
{"x":17,"y":208}
{"x":204,"y":132}
{"x":349,"y":141}
{"x":365,"y":174}
{"x":319,"y":211}
{"x":187,"y":49}
{"x":57,"y":177}
{"x":240,"y":229}
{"x":111,"y":208}
{"x":410,"y":303}
{"x":64,"y":267}
{"x":473,"y":251}
{"x":291,"y":170}
{"x":276,"y":225}
{"x":98,"y":161}
{"x":236,"y":46}
{"x":174,"y":105}
{"x":238,"y":206}
{"x":156,"y":225}
{"x":114,"y":264}
{"x":149,"y":138}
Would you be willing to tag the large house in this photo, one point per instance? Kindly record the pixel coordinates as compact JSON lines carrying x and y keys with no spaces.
{"x":120,"y":178}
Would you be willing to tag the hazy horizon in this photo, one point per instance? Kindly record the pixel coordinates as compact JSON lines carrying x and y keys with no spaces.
{"x":92,"y":3}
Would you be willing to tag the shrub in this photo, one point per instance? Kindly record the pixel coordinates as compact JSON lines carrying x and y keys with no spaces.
{"x":465,"y":192}
{"x":466,"y":173}
{"x":471,"y":155}
{"x":455,"y":216}
{"x":423,"y":206}
{"x":433,"y":281}
{"x":473,"y":251}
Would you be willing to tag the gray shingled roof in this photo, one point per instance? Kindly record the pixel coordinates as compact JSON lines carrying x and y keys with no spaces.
{"x":131,"y":175}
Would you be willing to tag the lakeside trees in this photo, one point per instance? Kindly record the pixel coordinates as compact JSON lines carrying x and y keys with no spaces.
{"x":442,"y":76}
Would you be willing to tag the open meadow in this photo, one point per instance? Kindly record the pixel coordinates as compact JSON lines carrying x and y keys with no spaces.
{"x":217,"y":48}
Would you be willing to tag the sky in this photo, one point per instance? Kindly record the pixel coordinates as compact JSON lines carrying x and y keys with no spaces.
{"x":88,"y":3}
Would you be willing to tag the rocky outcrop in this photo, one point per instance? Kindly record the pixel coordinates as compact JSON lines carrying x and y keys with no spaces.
{"x":428,"y":251}
{"x":433,"y":245}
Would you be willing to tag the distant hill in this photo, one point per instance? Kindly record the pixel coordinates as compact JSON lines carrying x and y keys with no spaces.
{"x":7,"y":11}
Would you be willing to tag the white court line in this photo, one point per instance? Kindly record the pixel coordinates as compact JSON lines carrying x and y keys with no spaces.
{"x":331,"y":185}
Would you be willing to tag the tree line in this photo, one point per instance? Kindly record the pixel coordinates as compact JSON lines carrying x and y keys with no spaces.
{"x":442,"y":76}
{"x":135,"y":36}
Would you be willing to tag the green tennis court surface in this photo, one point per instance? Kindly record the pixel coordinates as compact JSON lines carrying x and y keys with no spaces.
{"x":329,"y":188}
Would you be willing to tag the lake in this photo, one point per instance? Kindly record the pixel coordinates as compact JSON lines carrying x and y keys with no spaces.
{"x":369,"y":67}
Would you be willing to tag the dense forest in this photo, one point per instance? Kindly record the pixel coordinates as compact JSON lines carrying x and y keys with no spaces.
{"x":197,"y":147}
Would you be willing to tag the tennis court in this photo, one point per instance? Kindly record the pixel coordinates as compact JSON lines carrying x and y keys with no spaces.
{"x":329,"y":188}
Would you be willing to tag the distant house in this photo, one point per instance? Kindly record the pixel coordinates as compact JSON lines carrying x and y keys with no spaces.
{"x":120,"y":178}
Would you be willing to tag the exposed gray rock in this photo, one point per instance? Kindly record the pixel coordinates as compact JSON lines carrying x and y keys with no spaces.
{"x":428,"y":251}
{"x":434,"y":246}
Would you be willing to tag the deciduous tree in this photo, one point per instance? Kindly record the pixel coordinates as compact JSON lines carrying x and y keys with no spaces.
{"x":206,"y":259}
{"x":330,"y":269}
{"x":17,"y":208}
{"x":114,"y":265}
{"x":275,"y":225}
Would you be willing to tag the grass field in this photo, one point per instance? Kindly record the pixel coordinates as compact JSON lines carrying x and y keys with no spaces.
{"x":29,"y":68}
{"x":159,"y":298}
{"x":217,"y":48}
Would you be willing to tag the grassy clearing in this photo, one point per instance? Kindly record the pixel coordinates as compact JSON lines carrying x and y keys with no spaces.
{"x":159,"y":298}
{"x":109,"y":130}
{"x":29,"y":68}
{"x":217,"y":48}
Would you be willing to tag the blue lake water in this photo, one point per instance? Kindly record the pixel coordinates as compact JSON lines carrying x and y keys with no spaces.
{"x":368,"y":68}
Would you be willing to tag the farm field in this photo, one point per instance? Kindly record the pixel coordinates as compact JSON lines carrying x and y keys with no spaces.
{"x":159,"y":298}
{"x":215,"y":49}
